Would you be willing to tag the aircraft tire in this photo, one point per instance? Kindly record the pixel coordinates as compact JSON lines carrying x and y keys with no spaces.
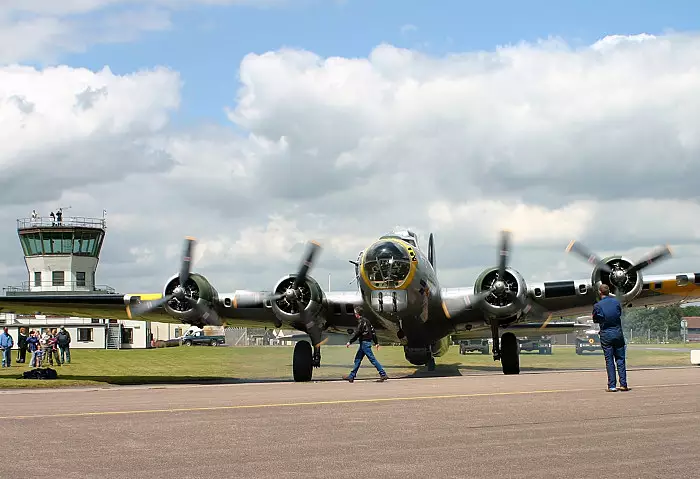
{"x":302,"y":362}
{"x":510,"y":357}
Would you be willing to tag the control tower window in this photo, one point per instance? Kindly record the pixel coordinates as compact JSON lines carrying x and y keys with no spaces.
{"x":58,"y":278}
{"x":37,"y":279}
{"x":80,"y":279}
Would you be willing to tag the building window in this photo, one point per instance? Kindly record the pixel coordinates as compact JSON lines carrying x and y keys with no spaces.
{"x":37,"y":279}
{"x":127,"y":335}
{"x":80,"y":279}
{"x":57,"y":278}
{"x":85,"y":335}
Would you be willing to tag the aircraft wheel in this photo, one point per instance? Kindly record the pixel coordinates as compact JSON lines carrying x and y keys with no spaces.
{"x":510,"y":355}
{"x":302,"y":362}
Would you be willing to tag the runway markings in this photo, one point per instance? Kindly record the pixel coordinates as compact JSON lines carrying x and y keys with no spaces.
{"x":333,"y":402}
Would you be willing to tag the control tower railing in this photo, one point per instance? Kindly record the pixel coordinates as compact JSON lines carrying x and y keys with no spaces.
{"x":66,"y":221}
{"x":76,"y":287}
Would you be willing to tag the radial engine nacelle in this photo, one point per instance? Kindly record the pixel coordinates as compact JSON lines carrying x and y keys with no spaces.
{"x":504,"y":301}
{"x":196,"y":287}
{"x":286,"y":308}
{"x":624,"y":285}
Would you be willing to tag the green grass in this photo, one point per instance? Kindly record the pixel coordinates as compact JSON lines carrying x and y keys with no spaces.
{"x":181,"y":365}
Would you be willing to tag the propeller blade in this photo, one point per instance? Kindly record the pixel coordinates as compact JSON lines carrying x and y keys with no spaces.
{"x":619,"y":293}
{"x":209,"y":316}
{"x":549,"y":318}
{"x":312,"y":328}
{"x":587,"y":255}
{"x":311,"y":251}
{"x":476,"y":299}
{"x":503,"y":254}
{"x":186,"y":260}
{"x":651,"y":258}
{"x":146,"y":306}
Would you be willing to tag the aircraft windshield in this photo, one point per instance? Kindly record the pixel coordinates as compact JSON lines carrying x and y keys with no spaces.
{"x":387,"y":264}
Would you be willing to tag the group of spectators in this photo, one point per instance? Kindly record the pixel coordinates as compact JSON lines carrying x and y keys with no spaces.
{"x":44,"y":347}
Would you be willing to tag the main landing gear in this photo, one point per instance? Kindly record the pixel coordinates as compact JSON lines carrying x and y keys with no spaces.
{"x":305,"y":360}
{"x":508,"y":351}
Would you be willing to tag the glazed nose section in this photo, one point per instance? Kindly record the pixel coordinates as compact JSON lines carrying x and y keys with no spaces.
{"x":387,"y":264}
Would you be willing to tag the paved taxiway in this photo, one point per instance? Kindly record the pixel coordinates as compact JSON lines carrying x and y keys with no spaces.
{"x":545,"y":424}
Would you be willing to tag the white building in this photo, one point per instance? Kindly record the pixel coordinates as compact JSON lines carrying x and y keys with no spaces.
{"x":62,"y":258}
{"x":90,"y":333}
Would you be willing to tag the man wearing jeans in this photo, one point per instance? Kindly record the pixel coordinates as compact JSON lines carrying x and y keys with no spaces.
{"x":366,"y":334}
{"x":608,"y":313}
{"x":6,"y":343}
{"x":63,"y":338}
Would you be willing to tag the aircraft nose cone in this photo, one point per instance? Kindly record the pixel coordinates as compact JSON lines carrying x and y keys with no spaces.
{"x":387,"y":263}
{"x":499,"y":287}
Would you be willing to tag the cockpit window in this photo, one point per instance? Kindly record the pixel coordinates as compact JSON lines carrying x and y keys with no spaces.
{"x":387,"y":264}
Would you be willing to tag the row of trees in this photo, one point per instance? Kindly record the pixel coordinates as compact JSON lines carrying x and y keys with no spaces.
{"x":655,"y":324}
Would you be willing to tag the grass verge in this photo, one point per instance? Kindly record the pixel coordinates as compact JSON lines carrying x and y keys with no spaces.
{"x":233,"y":364}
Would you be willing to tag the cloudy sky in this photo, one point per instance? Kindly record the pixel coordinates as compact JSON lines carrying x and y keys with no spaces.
{"x":255,"y":125}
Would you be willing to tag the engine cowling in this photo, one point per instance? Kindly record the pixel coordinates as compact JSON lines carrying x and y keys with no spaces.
{"x":502,"y":305}
{"x":288,"y":311}
{"x":630,"y":283}
{"x":417,"y":356}
{"x":196,"y":287}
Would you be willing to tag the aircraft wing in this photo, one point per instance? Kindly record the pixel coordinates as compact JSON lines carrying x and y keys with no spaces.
{"x":235,"y":309}
{"x":566,"y":298}
{"x":525,"y":329}
{"x":107,"y":306}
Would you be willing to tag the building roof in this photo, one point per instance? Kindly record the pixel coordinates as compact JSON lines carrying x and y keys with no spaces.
{"x":693,"y":322}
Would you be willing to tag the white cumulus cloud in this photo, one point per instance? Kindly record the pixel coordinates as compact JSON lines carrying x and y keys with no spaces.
{"x":598,"y":143}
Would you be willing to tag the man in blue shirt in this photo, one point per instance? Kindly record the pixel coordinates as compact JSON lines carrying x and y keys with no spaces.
{"x":608,"y":314}
{"x":6,"y":343}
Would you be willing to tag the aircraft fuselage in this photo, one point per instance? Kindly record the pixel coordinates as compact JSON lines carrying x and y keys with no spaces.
{"x":400,"y":287}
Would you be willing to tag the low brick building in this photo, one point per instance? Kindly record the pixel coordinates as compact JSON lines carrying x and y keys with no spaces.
{"x":693,"y":329}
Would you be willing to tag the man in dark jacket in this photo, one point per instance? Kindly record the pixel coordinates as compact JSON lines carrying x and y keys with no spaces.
{"x":608,"y":313}
{"x":63,"y":340}
{"x":22,"y":346}
{"x":366,"y":334}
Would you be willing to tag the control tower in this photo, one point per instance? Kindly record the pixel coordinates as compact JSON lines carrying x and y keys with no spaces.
{"x":61,"y":256}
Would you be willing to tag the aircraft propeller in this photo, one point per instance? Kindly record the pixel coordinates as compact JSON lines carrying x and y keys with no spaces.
{"x":293,"y":294}
{"x":208,"y":315}
{"x":619,"y":274}
{"x":499,"y":287}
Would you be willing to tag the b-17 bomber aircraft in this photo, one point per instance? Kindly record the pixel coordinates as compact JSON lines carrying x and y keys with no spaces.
{"x":398,"y":286}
